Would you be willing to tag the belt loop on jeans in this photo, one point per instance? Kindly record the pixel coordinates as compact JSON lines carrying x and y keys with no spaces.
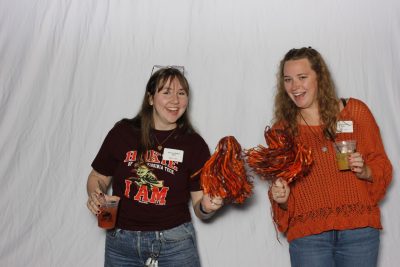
{"x":335,"y":235}
{"x":158,"y":233}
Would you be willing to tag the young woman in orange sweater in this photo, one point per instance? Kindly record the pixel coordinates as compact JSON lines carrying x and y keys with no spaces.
{"x":330,"y":217}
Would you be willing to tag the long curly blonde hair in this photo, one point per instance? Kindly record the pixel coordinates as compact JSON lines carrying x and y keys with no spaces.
{"x":286,"y":111}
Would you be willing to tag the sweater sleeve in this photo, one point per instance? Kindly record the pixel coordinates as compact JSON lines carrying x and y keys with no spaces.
{"x":281,"y":216}
{"x":375,"y":157}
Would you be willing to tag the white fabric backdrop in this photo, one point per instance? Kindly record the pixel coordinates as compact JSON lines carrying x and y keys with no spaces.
{"x":70,"y":69}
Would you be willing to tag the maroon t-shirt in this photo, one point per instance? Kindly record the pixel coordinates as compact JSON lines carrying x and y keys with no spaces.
{"x":154,"y":195}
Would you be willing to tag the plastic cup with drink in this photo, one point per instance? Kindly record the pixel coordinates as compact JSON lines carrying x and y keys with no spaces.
{"x":343,"y":150}
{"x":108,"y":215}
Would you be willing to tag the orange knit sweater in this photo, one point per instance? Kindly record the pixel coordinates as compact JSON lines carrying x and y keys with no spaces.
{"x":329,"y":199}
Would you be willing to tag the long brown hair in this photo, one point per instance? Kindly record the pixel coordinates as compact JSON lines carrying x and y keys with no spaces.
{"x":286,"y":111}
{"x":143,"y":122}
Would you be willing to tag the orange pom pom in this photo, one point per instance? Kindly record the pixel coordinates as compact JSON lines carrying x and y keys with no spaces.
{"x":224,"y":174}
{"x":283,"y":158}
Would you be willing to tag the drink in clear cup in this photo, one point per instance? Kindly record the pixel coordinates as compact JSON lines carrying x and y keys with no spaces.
{"x":343,"y":150}
{"x":108,"y":215}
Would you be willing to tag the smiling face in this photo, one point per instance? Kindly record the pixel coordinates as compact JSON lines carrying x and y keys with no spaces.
{"x":169,"y":104}
{"x":301,"y":84}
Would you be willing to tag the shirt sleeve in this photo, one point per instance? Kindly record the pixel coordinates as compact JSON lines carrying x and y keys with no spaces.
{"x":106,"y":160}
{"x":200,"y":156}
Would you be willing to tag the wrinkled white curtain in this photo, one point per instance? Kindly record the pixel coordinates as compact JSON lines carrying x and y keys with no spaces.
{"x":70,"y":69}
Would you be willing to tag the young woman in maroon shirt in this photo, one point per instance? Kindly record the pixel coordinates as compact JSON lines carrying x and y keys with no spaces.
{"x":152,"y":163}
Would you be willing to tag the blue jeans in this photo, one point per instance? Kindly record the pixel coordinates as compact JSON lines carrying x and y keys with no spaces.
{"x":175,"y":247}
{"x":345,"y":248}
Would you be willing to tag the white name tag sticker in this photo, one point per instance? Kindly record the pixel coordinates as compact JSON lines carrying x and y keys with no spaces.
{"x":173,"y":154}
{"x":344,"y":127}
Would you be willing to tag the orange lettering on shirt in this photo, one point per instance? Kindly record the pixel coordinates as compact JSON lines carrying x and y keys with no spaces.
{"x":142,"y":195}
{"x":157,"y":196}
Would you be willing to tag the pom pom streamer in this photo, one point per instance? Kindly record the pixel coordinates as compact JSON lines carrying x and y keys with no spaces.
{"x":284,"y":158}
{"x":224,"y":174}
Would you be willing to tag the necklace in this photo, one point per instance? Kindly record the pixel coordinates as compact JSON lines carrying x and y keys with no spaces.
{"x":324,"y":148}
{"x":159,"y":146}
